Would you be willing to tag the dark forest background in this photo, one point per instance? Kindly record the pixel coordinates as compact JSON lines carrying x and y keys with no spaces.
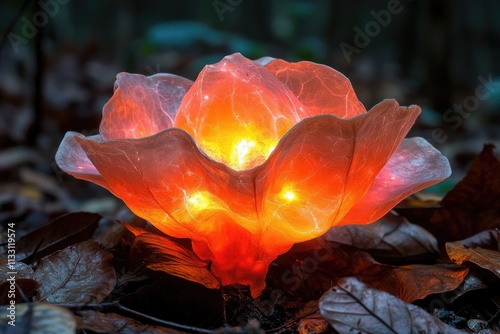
{"x":59,"y":59}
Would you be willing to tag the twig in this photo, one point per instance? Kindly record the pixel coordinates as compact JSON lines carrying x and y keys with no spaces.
{"x":115,"y":305}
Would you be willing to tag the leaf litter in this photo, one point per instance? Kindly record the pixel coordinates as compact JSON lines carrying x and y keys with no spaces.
{"x":435,"y":260}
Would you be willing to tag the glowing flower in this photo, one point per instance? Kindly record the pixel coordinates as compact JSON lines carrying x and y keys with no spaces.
{"x":251,"y":158}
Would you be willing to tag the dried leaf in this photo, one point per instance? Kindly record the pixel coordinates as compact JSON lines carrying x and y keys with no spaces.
{"x":38,"y":319}
{"x":473,"y":205}
{"x":164,"y":254}
{"x":82,"y":273}
{"x":114,"y":323}
{"x":22,"y":270}
{"x":486,"y":239}
{"x":352,"y":306}
{"x":28,"y":287}
{"x":58,"y":234}
{"x":109,"y":233}
{"x":473,"y":281}
{"x":413,"y":282}
{"x":390,"y":238}
{"x":484,"y":258}
{"x":309,"y":319}
{"x":312,"y":324}
{"x":317,"y":268}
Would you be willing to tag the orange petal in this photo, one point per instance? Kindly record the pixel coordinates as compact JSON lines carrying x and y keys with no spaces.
{"x":142,"y":106}
{"x":320,"y":88}
{"x":71,"y":158}
{"x":324,"y":166}
{"x":414,"y":166}
{"x":166,"y":180}
{"x":237,"y":111}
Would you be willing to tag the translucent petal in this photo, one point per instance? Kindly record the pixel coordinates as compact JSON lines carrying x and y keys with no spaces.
{"x":320,"y":88}
{"x":142,"y":106}
{"x":415,"y":165}
{"x":324,"y":166}
{"x":71,"y":158}
{"x":237,"y":111}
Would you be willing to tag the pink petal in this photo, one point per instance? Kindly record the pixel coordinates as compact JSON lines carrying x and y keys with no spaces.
{"x":320,"y":88}
{"x":71,"y":158}
{"x":415,"y":165}
{"x":324,"y":166}
{"x":237,"y":111}
{"x":142,"y":106}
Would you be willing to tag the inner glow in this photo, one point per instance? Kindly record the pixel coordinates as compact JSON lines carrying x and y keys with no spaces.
{"x":248,"y":150}
{"x":197,"y":201}
{"x":241,"y":150}
{"x":288,"y":194}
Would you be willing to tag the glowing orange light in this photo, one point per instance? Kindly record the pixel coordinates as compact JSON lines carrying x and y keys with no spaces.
{"x":288,"y":194}
{"x":251,"y":158}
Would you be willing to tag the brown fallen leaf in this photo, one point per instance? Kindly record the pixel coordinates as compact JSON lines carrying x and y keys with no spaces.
{"x":164,"y":254}
{"x":58,"y":234}
{"x":309,"y":319}
{"x":28,"y":287}
{"x":391,"y":238}
{"x":82,"y":273}
{"x":38,"y":319}
{"x":22,"y":270}
{"x":413,"y":282}
{"x":484,"y":258}
{"x":109,"y":233}
{"x":315,"y":266}
{"x":115,"y":323}
{"x":472,"y":205}
{"x":352,"y":306}
{"x":473,"y":281}
{"x":312,"y":324}
{"x":488,"y":239}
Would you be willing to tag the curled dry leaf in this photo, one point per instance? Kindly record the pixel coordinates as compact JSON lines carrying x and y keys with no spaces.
{"x":114,"y":323}
{"x":38,"y":319}
{"x":164,"y":254}
{"x":488,"y":239}
{"x":22,"y":270}
{"x":473,"y":205}
{"x":391,"y":237}
{"x":473,"y":281}
{"x":312,"y":324}
{"x":310,"y":319}
{"x":58,"y":234}
{"x":322,"y":264}
{"x":82,"y":273}
{"x":352,"y":306}
{"x":484,"y":258}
